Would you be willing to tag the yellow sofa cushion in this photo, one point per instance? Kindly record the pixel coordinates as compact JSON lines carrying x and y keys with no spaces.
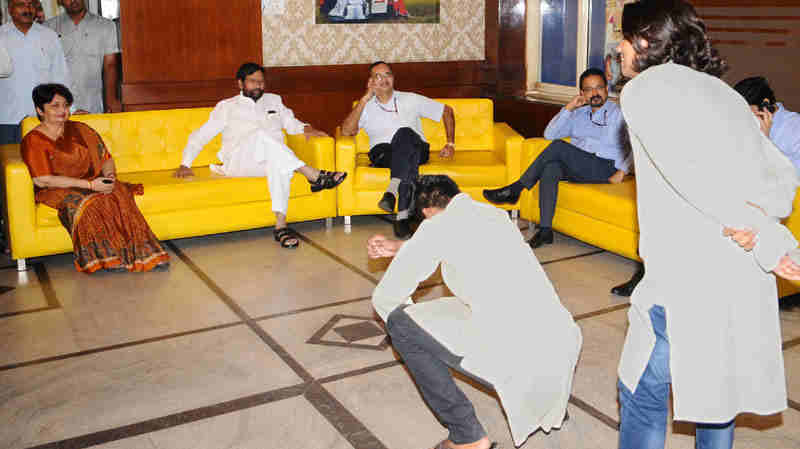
{"x":165,"y":193}
{"x":611,"y":203}
{"x":467,"y":169}
{"x":147,"y":140}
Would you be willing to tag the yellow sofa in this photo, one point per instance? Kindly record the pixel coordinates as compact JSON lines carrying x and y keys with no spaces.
{"x":487,"y":156}
{"x":147,"y":147}
{"x":604,"y":215}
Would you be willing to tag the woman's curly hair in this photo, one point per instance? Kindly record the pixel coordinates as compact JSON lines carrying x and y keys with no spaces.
{"x":673,"y":32}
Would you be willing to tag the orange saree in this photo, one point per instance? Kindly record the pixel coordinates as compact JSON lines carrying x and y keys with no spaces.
{"x":108,"y":231}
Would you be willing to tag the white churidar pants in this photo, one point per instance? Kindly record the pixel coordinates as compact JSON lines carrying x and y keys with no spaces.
{"x":261,"y":155}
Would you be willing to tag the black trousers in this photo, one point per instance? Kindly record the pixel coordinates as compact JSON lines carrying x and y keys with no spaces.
{"x":563,"y":161}
{"x":402,"y":156}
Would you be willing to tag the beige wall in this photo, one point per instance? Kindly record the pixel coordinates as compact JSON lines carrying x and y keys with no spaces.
{"x":292,"y":39}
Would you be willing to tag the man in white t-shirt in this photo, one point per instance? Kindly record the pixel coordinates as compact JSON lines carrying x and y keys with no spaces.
{"x":392,"y":120}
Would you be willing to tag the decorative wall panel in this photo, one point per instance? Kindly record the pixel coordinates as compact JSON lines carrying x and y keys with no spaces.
{"x":293,"y":39}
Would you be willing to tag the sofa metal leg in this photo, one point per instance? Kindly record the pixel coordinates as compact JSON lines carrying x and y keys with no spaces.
{"x":348,"y":228}
{"x":21,"y":265}
{"x":329,"y":223}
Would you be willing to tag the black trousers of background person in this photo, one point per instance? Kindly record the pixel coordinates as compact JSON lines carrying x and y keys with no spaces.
{"x":563,"y":161}
{"x":403,"y":157}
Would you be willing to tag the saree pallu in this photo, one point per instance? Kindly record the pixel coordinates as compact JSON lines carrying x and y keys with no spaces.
{"x":107,"y":229}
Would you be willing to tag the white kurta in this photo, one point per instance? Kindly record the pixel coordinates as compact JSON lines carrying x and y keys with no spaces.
{"x":252,"y":142}
{"x":505,"y":320}
{"x":6,"y":68}
{"x":700,"y":158}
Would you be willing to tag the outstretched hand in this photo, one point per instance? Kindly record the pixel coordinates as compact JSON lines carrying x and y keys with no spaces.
{"x":379,"y":246}
{"x":787,"y":269}
{"x":310,"y":132}
{"x":183,"y":172}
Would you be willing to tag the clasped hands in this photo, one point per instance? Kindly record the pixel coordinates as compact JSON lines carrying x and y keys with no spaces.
{"x":379,"y":246}
{"x":747,"y":239}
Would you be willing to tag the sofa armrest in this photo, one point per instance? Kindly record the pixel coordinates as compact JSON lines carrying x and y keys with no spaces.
{"x":508,"y":148}
{"x":346,"y":162}
{"x":317,"y":152}
{"x":20,"y":206}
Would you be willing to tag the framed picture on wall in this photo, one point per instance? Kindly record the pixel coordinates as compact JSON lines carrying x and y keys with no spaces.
{"x":376,"y":11}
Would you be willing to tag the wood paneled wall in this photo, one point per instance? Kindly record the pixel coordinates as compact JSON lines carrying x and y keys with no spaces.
{"x":190,"y":57}
{"x":184,"y":53}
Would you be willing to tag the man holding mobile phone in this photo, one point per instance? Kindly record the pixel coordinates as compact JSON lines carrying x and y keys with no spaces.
{"x":778,"y":123}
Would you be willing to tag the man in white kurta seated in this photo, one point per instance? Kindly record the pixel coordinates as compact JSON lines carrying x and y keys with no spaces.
{"x":251,"y":124}
{"x":704,"y":319}
{"x":505,"y":327}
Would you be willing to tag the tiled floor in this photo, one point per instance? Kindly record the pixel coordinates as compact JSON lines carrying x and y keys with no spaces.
{"x":245,"y":345}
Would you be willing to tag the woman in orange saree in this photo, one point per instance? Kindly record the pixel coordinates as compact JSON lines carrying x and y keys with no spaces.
{"x":74,"y":172}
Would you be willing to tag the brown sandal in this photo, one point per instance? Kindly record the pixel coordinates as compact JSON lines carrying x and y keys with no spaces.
{"x":327,"y":180}
{"x":283,"y":235}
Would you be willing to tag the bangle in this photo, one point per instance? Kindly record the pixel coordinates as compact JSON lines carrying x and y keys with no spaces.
{"x":449,"y":144}
{"x":89,"y":184}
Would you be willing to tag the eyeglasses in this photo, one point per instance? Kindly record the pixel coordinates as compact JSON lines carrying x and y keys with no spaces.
{"x":382,"y":76}
{"x":588,"y":90}
{"x":605,"y":118}
{"x":395,"y":110}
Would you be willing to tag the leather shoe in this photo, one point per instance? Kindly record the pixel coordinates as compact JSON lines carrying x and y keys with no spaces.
{"x":627,"y":288}
{"x":544,"y":236}
{"x":387,"y":202}
{"x":505,"y":195}
{"x":402,"y":229}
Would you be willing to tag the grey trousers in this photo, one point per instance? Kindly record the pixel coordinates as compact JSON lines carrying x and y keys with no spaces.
{"x":563,"y":161}
{"x":428,"y":362}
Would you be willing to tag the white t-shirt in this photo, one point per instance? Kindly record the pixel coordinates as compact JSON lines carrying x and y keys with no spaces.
{"x":404,"y":109}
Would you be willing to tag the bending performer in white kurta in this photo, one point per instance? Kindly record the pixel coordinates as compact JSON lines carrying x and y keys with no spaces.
{"x":705,"y":316}
{"x":252,"y":125}
{"x":505,"y":325}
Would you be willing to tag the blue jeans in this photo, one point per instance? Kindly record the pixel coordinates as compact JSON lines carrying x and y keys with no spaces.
{"x":643,"y":416}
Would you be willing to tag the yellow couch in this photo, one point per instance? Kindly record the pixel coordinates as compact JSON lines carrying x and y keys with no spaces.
{"x":487,"y":156}
{"x":604,"y":215}
{"x":147,"y":148}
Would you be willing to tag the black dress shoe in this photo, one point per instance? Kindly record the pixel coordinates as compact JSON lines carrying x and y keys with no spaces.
{"x":387,"y":202}
{"x":402,"y":229}
{"x":544,"y":236}
{"x":505,"y":195}
{"x":626,"y":289}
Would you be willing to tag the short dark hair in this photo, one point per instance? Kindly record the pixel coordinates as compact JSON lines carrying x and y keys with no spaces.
{"x":44,"y":93}
{"x":434,"y":191}
{"x":592,"y":71}
{"x":247,"y":69}
{"x":674,"y":33}
{"x":755,"y":89}
{"x":377,"y":63}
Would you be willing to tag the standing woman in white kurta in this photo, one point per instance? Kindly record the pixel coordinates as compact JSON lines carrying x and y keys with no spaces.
{"x":505,"y":325}
{"x":705,"y":316}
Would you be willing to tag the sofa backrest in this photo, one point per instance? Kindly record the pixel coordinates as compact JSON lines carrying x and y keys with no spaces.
{"x":147,"y":140}
{"x":474,"y":126}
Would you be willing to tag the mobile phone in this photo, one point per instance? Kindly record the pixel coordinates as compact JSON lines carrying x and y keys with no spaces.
{"x":108,"y":181}
{"x":768,"y":106}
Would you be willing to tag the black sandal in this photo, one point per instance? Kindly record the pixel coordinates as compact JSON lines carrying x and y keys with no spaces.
{"x":327,"y":180}
{"x":283,"y":235}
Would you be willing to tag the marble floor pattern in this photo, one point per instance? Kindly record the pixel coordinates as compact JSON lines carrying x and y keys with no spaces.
{"x":242,"y":344}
